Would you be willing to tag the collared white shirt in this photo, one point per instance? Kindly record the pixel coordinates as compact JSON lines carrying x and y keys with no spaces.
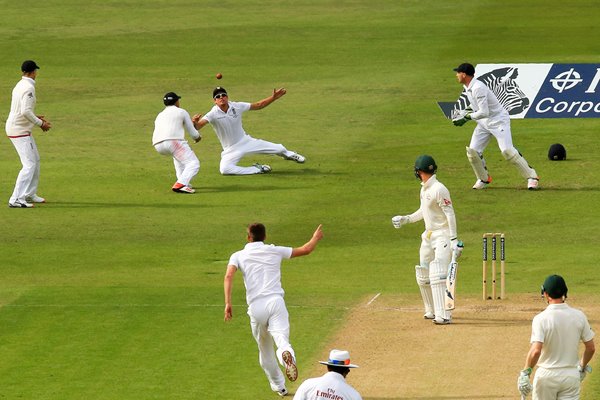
{"x":228,"y":125}
{"x":260,"y":265}
{"x":484,"y":102}
{"x":331,"y":386}
{"x":22,"y":118}
{"x":560,"y":328}
{"x":436,"y":207}
{"x":170,"y":124}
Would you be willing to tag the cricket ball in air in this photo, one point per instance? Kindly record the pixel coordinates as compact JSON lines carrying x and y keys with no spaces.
{"x":219,"y":75}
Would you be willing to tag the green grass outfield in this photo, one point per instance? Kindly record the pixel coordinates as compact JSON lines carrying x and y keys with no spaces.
{"x":113,"y":290}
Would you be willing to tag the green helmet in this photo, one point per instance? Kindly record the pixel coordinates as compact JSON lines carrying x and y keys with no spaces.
{"x":555,"y":286}
{"x":425,"y":163}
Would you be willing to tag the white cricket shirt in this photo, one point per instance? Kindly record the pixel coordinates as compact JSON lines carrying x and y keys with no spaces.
{"x":228,"y":125}
{"x":331,"y":386}
{"x":484,"y":102}
{"x":260,"y":265}
{"x":436,"y":207}
{"x":560,"y":328}
{"x":170,"y":124}
{"x":22,"y":118}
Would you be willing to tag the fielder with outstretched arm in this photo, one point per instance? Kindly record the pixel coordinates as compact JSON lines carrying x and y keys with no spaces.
{"x":437,"y":242}
{"x":260,"y":265}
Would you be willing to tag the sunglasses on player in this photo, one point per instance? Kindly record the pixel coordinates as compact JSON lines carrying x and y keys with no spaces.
{"x":220,"y":95}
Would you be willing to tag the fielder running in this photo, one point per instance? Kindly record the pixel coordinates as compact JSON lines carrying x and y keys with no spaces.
{"x":437,"y":242}
{"x":260,"y":265}
{"x":169,"y":139}
{"x":226,"y":119}
{"x":555,"y":336}
{"x":19,"y":128}
{"x":492,"y":121}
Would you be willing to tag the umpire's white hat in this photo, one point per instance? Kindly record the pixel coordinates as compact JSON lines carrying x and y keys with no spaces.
{"x":339,"y":358}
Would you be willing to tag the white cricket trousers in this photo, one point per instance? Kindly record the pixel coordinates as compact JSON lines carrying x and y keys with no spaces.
{"x":435,"y":254}
{"x":29,"y":176}
{"x":485,"y":130}
{"x":231,"y":156}
{"x":556,"y":384}
{"x":269,"y":320}
{"x":186,"y":163}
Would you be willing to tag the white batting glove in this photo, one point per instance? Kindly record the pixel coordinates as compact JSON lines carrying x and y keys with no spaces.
{"x":400,"y":220}
{"x":583,"y":371}
{"x":456,"y":246}
{"x":523,"y":383}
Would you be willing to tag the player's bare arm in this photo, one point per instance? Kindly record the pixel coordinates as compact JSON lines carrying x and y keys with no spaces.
{"x":309,"y":246}
{"x":277,"y":93}
{"x":227,"y":287}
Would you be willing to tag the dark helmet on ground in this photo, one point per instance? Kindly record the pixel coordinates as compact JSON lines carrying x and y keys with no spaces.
{"x":555,"y":286}
{"x":557,"y":152}
{"x":425,"y":163}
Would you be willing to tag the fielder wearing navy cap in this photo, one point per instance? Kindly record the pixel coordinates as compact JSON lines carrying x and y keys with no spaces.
{"x":29,"y":66}
{"x":170,"y":98}
{"x":467,"y":68}
{"x":219,"y":90}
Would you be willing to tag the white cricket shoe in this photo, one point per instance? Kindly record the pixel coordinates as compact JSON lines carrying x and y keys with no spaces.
{"x":533,"y":183}
{"x":35,"y":199}
{"x":291,"y":371}
{"x":282,"y":392}
{"x":295,"y":157}
{"x":482,"y":184}
{"x":441,"y":321}
{"x":429,"y":315}
{"x":20,"y":204}
{"x":263,"y":168}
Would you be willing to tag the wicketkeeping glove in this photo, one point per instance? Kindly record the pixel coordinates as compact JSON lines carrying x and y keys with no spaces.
{"x":400,"y":220}
{"x":523,"y":383}
{"x":583,"y":371}
{"x":460,"y":121}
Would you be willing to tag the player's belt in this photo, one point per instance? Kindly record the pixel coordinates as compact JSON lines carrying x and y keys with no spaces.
{"x":14,"y":137}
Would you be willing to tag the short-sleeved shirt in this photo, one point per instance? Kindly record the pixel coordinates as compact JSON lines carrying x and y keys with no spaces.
{"x":484,"y":102}
{"x":228,"y":125}
{"x":560,"y":328}
{"x":329,"y":386}
{"x":436,"y":207}
{"x":260,"y":265}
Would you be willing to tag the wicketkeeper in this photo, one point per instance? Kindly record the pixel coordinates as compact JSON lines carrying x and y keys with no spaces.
{"x":437,"y":242}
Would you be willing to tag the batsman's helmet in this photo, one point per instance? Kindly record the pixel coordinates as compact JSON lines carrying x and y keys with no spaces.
{"x":557,"y":152}
{"x":425,"y":163}
{"x":555,"y":286}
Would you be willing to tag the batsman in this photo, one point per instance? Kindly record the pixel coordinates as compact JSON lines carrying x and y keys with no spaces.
{"x":438,"y":241}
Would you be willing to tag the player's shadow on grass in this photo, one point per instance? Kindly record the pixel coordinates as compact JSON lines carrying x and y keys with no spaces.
{"x":83,"y":204}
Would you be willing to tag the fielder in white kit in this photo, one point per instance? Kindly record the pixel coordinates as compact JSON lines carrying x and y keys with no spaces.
{"x":19,"y":128}
{"x":555,"y":336}
{"x":169,"y":139}
{"x":260,"y":265}
{"x":437,"y":242}
{"x":226,"y":119}
{"x":492,"y":121}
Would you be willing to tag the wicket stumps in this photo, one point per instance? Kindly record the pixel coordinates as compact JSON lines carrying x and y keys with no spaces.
{"x":494,"y":237}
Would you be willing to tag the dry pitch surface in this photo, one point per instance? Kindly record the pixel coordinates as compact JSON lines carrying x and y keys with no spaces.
{"x":402,"y":356}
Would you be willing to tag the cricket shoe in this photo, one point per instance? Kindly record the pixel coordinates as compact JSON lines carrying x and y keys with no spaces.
{"x":295,"y":157}
{"x":533,"y":183}
{"x":263,"y":168}
{"x":35,"y":199}
{"x":282,"y":392}
{"x":291,"y":371}
{"x":20,"y":204}
{"x":441,"y":321}
{"x":429,"y":315}
{"x":482,"y":184}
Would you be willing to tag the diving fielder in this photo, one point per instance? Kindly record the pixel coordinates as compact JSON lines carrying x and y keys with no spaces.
{"x":260,"y":265}
{"x":555,"y":336}
{"x":437,"y":242}
{"x":492,"y":121}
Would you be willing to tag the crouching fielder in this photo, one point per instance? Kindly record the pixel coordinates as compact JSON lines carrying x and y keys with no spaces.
{"x":437,"y":242}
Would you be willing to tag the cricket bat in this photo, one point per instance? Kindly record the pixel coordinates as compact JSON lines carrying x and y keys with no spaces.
{"x":451,"y":282}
